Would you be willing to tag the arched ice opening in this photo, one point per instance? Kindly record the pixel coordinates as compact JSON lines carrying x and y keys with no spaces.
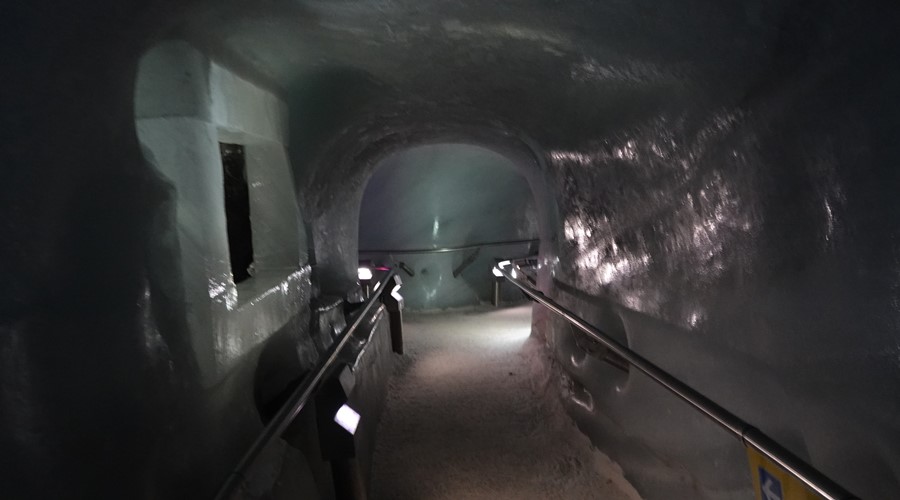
{"x":445,"y":214}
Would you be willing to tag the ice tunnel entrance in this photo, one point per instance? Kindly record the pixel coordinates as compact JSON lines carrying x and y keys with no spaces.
{"x":445,"y":214}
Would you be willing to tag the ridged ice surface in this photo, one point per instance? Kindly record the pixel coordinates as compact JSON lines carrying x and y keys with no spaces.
{"x":473,"y":413}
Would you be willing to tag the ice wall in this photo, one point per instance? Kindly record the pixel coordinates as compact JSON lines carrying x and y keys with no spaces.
{"x":740,"y":249}
{"x":186,"y":105}
{"x":447,"y":197}
{"x":129,"y":357}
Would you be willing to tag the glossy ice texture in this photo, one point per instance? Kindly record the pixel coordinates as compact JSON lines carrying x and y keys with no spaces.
{"x":181,"y":144}
{"x":715,"y":182}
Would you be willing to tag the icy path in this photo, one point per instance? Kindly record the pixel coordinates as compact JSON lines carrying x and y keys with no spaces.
{"x":471,"y":415}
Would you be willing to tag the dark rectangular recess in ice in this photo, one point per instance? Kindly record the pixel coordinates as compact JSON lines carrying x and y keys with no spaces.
{"x":237,"y":210}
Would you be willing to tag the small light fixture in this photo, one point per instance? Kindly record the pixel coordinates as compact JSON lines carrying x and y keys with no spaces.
{"x":347,"y":418}
{"x":500,"y":265}
{"x":364,"y":273}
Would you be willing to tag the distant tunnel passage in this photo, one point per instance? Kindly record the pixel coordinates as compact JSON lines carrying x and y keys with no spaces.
{"x":453,"y":196}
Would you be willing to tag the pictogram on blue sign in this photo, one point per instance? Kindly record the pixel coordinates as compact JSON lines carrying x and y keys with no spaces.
{"x":769,"y":486}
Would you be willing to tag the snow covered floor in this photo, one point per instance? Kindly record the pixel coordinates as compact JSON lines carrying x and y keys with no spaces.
{"x":472,"y":414}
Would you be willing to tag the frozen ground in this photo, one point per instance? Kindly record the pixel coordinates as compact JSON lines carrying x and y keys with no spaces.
{"x":472,"y":414}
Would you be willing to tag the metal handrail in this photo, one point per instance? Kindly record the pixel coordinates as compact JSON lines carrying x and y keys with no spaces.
{"x":300,"y":397}
{"x":749,"y":435}
{"x":451,"y":249}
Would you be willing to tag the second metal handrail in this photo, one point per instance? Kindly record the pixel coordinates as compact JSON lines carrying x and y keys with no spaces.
{"x":300,"y":397}
{"x":749,"y":435}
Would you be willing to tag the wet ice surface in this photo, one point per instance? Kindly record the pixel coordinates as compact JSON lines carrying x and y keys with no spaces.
{"x":473,"y":414}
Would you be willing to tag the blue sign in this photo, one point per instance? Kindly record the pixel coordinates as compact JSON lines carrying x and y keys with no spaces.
{"x":769,"y":486}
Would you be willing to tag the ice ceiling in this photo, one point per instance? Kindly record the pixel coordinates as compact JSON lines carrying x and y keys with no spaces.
{"x":565,"y":72}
